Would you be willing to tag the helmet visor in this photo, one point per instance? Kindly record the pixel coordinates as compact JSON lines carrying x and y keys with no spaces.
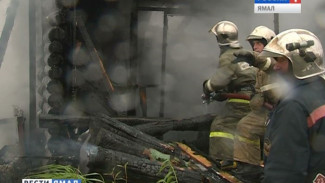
{"x":266,"y":53}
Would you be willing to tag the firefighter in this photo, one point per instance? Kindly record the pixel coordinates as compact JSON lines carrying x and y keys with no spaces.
{"x":295,"y":134}
{"x":251,"y":128}
{"x":230,"y":77}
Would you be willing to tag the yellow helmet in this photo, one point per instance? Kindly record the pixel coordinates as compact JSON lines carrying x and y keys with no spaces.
{"x":226,"y":33}
{"x":302,"y":48}
{"x":261,"y":33}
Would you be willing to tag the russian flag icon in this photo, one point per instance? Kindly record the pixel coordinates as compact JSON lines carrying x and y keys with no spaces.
{"x":295,"y":1}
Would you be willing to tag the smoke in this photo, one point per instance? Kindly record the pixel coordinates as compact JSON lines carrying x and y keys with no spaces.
{"x":8,"y":131}
{"x":3,"y":12}
{"x":14,"y":74}
{"x":192,"y":52}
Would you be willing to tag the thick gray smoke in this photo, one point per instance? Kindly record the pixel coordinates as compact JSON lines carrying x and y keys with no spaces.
{"x":192,"y":52}
{"x":14,"y":74}
{"x":191,"y":55}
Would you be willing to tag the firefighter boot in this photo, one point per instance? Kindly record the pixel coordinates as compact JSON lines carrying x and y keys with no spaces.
{"x":248,"y":173}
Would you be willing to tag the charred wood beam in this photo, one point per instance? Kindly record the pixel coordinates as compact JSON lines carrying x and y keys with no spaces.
{"x":101,"y":159}
{"x":105,"y":139}
{"x":117,"y":144}
{"x":163,"y":67}
{"x":32,"y":66}
{"x":50,"y":120}
{"x":159,"y":128}
{"x":151,"y":126}
{"x":171,"y":6}
{"x":93,"y":52}
{"x":133,"y":58}
{"x":19,"y":113}
{"x":136,"y":135}
{"x":131,"y":121}
{"x":108,"y":123}
{"x":53,"y":121}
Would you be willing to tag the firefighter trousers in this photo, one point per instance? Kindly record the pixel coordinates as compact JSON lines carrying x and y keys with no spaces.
{"x":247,"y":142}
{"x":223,"y":127}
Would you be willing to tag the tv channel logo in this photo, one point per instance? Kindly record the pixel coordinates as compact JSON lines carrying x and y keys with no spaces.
{"x":277,"y":6}
{"x":51,"y":181}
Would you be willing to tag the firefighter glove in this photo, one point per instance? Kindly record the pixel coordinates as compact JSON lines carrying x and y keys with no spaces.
{"x":244,"y":56}
{"x":206,"y":93}
{"x":218,"y":96}
{"x":206,"y":90}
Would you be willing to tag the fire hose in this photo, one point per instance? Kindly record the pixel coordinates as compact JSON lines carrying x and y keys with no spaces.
{"x":214,"y":96}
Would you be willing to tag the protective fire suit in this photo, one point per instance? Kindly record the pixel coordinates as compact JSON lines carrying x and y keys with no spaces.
{"x":234,"y":78}
{"x":295,"y":135}
{"x":251,"y":128}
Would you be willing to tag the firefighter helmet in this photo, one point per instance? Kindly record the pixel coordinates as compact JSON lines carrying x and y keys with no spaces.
{"x":261,"y":33}
{"x":302,"y":48}
{"x":226,"y":33}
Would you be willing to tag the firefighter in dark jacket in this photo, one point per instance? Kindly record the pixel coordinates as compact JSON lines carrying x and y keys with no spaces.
{"x":295,"y":135}
{"x":230,"y":77}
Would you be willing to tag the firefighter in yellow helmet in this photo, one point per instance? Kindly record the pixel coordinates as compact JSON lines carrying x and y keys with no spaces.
{"x":295,"y":134}
{"x":230,"y":77}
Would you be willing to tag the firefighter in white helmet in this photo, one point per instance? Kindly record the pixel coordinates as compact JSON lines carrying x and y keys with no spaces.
{"x":251,"y":128}
{"x":295,"y":134}
{"x":230,"y":77}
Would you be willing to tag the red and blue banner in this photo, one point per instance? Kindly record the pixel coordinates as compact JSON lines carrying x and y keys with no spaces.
{"x":277,"y":6}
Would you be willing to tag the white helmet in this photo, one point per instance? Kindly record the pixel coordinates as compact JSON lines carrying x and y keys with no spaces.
{"x":302,"y":48}
{"x":261,"y":33}
{"x":226,"y":33}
